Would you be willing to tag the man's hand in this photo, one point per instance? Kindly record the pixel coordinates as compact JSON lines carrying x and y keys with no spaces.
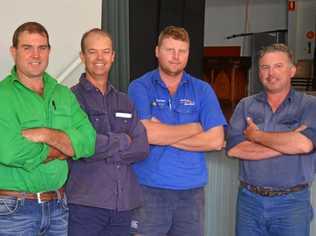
{"x":252,"y":130}
{"x":36,"y":135}
{"x":300,"y":128}
{"x":55,"y":154}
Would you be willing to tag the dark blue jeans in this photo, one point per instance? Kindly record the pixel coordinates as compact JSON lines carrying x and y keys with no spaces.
{"x":22,"y":217}
{"x":170,"y":212}
{"x":287,"y":215}
{"x":93,"y":221}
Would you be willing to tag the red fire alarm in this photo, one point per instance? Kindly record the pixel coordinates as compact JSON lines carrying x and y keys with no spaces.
{"x":291,"y":5}
{"x":310,"y":34}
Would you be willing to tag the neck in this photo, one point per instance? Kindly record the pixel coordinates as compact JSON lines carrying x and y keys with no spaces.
{"x":275,"y":100}
{"x":35,"y":84}
{"x":171,"y":81}
{"x":99,"y":83}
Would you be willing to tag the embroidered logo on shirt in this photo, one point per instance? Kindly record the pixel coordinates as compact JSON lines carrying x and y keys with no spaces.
{"x":159,"y":102}
{"x":187,"y":102}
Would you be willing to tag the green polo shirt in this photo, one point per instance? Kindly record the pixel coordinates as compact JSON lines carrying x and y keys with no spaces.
{"x":22,"y":166}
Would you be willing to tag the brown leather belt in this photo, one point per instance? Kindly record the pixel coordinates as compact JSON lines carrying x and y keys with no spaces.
{"x":272,"y":192}
{"x":40,"y":197}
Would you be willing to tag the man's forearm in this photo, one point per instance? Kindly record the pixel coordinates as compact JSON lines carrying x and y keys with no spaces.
{"x":285,"y":142}
{"x":59,"y":140}
{"x":252,"y":151}
{"x":52,"y":137}
{"x":163,"y":134}
{"x":210,"y":140}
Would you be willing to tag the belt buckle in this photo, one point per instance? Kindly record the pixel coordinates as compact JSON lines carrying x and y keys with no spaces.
{"x":39,"y":197}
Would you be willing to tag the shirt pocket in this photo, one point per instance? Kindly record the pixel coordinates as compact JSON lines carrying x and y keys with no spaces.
{"x":61,"y":118}
{"x":187,"y":113}
{"x":122,"y":121}
{"x":287,"y":124}
{"x":97,"y":118}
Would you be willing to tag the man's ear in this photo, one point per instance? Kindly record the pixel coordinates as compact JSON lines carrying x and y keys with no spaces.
{"x":13,"y":52}
{"x":113,"y":56}
{"x":293,"y":71}
{"x":82,"y":57}
{"x":157,"y":51}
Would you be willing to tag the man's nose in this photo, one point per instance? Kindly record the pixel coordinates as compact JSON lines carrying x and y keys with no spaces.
{"x":35,"y":52}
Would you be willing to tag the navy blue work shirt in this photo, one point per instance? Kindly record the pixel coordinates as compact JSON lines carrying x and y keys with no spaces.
{"x":284,"y":170}
{"x":107,"y":180}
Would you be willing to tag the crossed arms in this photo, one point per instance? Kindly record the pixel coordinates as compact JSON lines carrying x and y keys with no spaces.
{"x":60,"y":146}
{"x":190,"y":137}
{"x":262,"y":145}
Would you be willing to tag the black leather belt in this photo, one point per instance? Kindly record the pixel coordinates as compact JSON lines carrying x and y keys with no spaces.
{"x":272,"y":192}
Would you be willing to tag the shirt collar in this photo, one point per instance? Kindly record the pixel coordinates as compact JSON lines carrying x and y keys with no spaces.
{"x":157,"y":78}
{"x":262,"y":96}
{"x":49,"y":81}
{"x":87,"y":85}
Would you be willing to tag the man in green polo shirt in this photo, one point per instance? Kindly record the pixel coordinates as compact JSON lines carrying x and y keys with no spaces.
{"x":41,"y":125}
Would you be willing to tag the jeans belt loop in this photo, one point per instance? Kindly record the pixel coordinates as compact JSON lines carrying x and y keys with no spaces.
{"x":39,"y":198}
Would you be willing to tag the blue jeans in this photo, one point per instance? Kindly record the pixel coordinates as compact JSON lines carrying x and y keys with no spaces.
{"x":287,"y":215}
{"x":93,"y":221}
{"x":23,"y":217}
{"x":170,"y":212}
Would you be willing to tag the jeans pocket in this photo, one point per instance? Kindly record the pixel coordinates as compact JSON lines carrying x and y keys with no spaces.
{"x":8,"y":205}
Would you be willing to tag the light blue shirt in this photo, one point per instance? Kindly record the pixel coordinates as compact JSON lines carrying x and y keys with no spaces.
{"x":285,"y":170}
{"x":194,"y":101}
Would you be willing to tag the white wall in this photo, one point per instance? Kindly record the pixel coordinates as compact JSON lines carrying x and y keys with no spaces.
{"x":227,"y":17}
{"x":65,"y":21}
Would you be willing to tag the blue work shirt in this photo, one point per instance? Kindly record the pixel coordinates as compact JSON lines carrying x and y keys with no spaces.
{"x":284,"y":170}
{"x":194,"y":101}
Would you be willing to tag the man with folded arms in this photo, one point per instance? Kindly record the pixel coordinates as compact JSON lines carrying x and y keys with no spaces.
{"x":273,"y":133}
{"x":103,"y":190}
{"x":41,"y":125}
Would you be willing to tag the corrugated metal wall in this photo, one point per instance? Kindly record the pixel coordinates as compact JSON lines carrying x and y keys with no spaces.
{"x":221,"y":195}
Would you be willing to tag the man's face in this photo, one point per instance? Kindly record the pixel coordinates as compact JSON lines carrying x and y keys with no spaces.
{"x":31,"y":55}
{"x":172,"y":56}
{"x":98,"y":55}
{"x":275,"y":72}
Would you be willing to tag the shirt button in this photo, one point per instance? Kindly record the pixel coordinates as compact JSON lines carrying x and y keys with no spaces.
{"x":118,"y":167}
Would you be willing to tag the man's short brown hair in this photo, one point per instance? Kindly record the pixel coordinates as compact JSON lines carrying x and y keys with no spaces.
{"x":31,"y":27}
{"x":94,"y":30}
{"x":277,"y":47}
{"x":174,"y":32}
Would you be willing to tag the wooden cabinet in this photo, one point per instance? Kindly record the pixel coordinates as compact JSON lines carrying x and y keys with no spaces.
{"x":229,"y":78}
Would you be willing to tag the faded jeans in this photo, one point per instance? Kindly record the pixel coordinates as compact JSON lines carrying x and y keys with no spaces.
{"x":170,"y":213}
{"x":287,"y":215}
{"x":23,"y":217}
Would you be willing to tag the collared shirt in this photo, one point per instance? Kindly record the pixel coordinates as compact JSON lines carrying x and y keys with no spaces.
{"x":107,"y":179}
{"x":21,"y":161}
{"x":194,"y":101}
{"x":284,"y":170}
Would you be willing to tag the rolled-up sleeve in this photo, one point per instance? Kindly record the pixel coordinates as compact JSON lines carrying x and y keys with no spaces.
{"x":308,"y":119}
{"x":236,"y":127}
